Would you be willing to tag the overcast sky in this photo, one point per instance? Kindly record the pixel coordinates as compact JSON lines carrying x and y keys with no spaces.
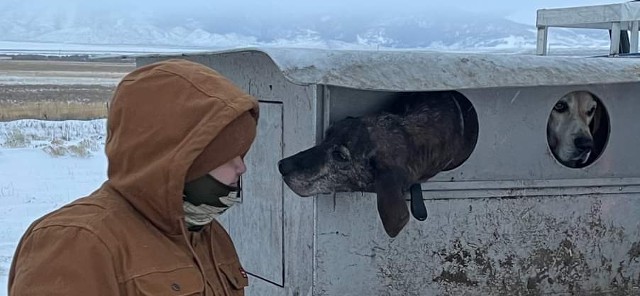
{"x":523,"y":11}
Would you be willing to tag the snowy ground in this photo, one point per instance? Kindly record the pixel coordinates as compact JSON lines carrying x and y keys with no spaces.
{"x":44,"y":165}
{"x":21,"y":72}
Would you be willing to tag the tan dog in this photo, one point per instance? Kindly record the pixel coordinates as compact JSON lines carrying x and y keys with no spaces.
{"x":570,"y":128}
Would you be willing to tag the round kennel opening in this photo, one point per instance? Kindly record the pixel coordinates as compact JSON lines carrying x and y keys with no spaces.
{"x":575,"y":111}
{"x":471,"y":127}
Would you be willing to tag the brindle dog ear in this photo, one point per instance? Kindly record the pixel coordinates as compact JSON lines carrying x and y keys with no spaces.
{"x":392,"y":207}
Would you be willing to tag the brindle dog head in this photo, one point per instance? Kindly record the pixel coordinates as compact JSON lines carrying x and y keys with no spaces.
{"x":349,"y":161}
{"x":341,"y":163}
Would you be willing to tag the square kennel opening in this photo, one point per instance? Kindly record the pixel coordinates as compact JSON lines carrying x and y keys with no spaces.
{"x":510,"y":220}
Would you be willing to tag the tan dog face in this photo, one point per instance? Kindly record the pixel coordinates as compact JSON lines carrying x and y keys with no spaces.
{"x":568,"y":131}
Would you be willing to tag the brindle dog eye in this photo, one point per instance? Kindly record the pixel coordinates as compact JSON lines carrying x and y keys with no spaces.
{"x":561,"y":107}
{"x":340,"y":155}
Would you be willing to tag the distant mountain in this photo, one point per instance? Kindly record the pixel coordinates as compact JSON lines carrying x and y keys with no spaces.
{"x":78,"y":23}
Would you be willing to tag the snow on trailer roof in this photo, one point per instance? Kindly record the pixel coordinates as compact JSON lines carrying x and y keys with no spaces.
{"x":400,"y":70}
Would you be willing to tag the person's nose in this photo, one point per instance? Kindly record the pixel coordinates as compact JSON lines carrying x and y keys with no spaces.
{"x":241,"y":168}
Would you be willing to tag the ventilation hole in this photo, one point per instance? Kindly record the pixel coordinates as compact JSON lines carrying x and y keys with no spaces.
{"x":470,"y":132}
{"x":462,"y":117}
{"x":578,"y":129}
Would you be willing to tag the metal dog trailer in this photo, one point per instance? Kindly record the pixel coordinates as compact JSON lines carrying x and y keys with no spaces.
{"x":511,"y":220}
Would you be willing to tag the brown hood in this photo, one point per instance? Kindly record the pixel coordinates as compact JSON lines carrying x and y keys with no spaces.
{"x":161,"y":118}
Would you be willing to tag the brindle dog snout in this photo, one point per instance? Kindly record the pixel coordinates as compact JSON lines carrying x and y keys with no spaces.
{"x":301,"y":162}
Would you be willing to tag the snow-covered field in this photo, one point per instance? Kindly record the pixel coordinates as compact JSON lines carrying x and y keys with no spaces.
{"x":44,"y":165}
{"x":59,"y":48}
{"x":21,"y":72}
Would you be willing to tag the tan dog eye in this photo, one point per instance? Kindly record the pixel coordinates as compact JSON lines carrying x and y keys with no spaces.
{"x":561,"y":107}
{"x":591,"y":111}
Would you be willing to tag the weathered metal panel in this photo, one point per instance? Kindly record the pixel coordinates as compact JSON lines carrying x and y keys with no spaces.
{"x":511,"y":220}
{"x":256,"y":225}
{"x":490,"y":246}
{"x":301,"y":127}
{"x":256,"y":74}
{"x":259,"y":287}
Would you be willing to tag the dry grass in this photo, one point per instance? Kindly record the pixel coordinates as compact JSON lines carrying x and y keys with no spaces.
{"x":57,"y":101}
{"x":52,"y":110}
{"x":54,"y":102}
{"x":15,"y":139}
{"x":74,"y":138}
{"x":82,"y":149}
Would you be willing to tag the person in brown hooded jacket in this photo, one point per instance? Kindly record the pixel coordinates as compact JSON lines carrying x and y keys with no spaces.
{"x":177,"y":134}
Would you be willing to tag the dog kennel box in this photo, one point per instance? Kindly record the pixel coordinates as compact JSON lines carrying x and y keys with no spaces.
{"x":511,"y":220}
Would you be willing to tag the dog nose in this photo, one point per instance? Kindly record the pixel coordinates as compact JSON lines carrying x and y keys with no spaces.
{"x":583,"y":144}
{"x":286,"y":166}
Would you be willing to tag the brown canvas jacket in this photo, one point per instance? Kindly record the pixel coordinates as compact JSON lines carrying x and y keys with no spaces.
{"x":128,"y":237}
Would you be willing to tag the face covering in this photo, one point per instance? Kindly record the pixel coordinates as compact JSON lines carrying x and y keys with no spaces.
{"x":205,"y":198}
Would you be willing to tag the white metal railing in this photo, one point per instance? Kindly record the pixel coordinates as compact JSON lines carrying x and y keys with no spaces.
{"x":613,"y":17}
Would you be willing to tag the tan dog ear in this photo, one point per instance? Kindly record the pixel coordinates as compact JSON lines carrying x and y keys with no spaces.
{"x":392,"y":207}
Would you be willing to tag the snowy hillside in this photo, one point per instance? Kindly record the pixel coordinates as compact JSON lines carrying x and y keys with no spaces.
{"x":73,"y":21}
